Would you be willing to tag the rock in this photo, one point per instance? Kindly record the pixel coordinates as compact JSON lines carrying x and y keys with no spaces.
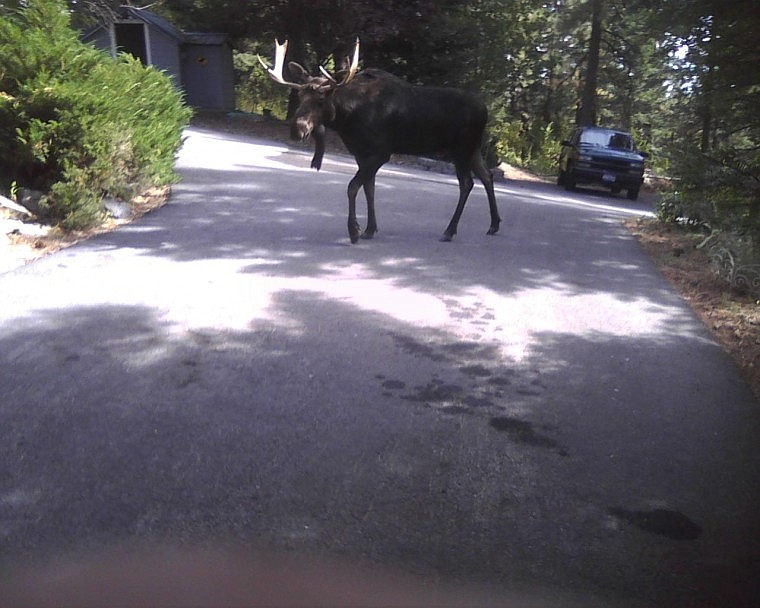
{"x":13,"y":206}
{"x":34,"y":201}
{"x":118,"y":210}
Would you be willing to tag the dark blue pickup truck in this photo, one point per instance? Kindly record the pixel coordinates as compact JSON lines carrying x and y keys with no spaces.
{"x":608,"y":157}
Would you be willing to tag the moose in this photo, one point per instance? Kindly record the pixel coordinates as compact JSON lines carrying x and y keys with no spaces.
{"x":377,"y":114}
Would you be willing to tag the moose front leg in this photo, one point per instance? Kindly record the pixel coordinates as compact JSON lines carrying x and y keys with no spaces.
{"x":364,"y":178}
{"x":319,"y":147}
{"x":354,"y":230}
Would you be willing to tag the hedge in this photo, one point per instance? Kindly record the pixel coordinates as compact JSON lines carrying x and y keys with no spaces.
{"x":76,"y":123}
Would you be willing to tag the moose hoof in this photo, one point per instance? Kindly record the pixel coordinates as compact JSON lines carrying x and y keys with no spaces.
{"x":493,"y":230}
{"x":446,"y":238}
{"x":354,"y":232}
{"x":367,"y":235}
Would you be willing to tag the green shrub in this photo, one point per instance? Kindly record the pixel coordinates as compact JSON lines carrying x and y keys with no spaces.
{"x":76,"y":123}
{"x":735,"y":258}
{"x":719,"y":195}
{"x":720,"y":188}
{"x":255,"y":91}
{"x":524,"y":143}
{"x":508,"y":140}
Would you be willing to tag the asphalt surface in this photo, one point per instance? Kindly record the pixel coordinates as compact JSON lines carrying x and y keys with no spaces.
{"x":191,"y":403}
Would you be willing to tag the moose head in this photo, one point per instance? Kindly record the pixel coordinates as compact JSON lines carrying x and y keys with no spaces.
{"x":315,"y":107}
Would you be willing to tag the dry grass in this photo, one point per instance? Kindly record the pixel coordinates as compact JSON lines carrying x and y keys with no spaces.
{"x":733,"y":318}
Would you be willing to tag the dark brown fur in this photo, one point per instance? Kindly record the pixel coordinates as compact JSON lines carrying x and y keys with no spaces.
{"x":377,"y":114}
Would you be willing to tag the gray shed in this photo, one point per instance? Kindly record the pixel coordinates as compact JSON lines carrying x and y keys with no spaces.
{"x":200,"y":64}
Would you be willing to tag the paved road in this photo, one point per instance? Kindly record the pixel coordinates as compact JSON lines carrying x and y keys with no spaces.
{"x":534,"y":415}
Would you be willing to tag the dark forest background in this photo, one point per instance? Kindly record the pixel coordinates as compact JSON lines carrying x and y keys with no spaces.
{"x":682,"y":75}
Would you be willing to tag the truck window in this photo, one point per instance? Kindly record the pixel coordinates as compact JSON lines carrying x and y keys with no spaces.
{"x":621,"y":141}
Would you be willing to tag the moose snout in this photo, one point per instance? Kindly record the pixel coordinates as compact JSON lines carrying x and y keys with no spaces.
{"x":301,"y":128}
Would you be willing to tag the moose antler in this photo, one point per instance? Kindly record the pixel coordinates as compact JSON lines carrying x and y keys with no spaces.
{"x":279,"y":64}
{"x":327,"y":74}
{"x":352,"y":70}
{"x":354,"y":64}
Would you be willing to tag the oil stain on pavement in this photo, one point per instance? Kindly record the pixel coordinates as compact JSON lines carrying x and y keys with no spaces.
{"x":665,"y":522}
{"x":482,"y":386}
{"x":521,"y":431}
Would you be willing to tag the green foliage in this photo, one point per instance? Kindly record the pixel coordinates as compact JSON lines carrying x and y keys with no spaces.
{"x":77,"y":124}
{"x":714,"y":146}
{"x":509,"y":140}
{"x":735,"y":258}
{"x":256,"y":92}
{"x":720,"y":189}
{"x":682,"y":75}
{"x":525,"y":143}
{"x":669,"y":209}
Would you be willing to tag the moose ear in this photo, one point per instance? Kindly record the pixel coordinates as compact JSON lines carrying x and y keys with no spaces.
{"x":298,"y":72}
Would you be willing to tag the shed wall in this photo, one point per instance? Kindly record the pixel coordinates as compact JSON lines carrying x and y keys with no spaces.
{"x":208,"y":76}
{"x":101,"y":38}
{"x":199,"y":64}
{"x":165,"y":54}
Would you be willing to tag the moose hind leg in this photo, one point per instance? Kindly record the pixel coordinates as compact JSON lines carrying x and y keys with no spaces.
{"x":486,"y":177}
{"x":465,"y":187}
{"x":369,"y":192}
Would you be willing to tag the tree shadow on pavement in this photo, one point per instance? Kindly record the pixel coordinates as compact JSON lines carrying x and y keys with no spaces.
{"x":504,"y":409}
{"x":428,"y":452}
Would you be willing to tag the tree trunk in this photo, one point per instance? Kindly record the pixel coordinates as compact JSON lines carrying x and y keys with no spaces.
{"x":704,"y":144}
{"x":588,"y":112}
{"x":294,"y":26}
{"x":706,"y":111}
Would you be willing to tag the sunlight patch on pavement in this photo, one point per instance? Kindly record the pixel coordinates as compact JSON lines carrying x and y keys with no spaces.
{"x":238,"y":301}
{"x":556,"y":199}
{"x":254,"y":289}
{"x":223,"y":154}
{"x":237,"y":295}
{"x":513,"y":321}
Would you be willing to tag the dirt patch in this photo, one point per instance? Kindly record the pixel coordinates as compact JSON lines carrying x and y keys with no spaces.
{"x":733,"y":318}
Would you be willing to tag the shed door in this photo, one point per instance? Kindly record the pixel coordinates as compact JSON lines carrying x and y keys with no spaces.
{"x":130,"y":38}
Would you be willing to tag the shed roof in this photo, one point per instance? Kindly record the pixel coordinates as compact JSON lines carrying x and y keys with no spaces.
{"x":141,"y":14}
{"x":159,"y":22}
{"x":205,"y":38}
